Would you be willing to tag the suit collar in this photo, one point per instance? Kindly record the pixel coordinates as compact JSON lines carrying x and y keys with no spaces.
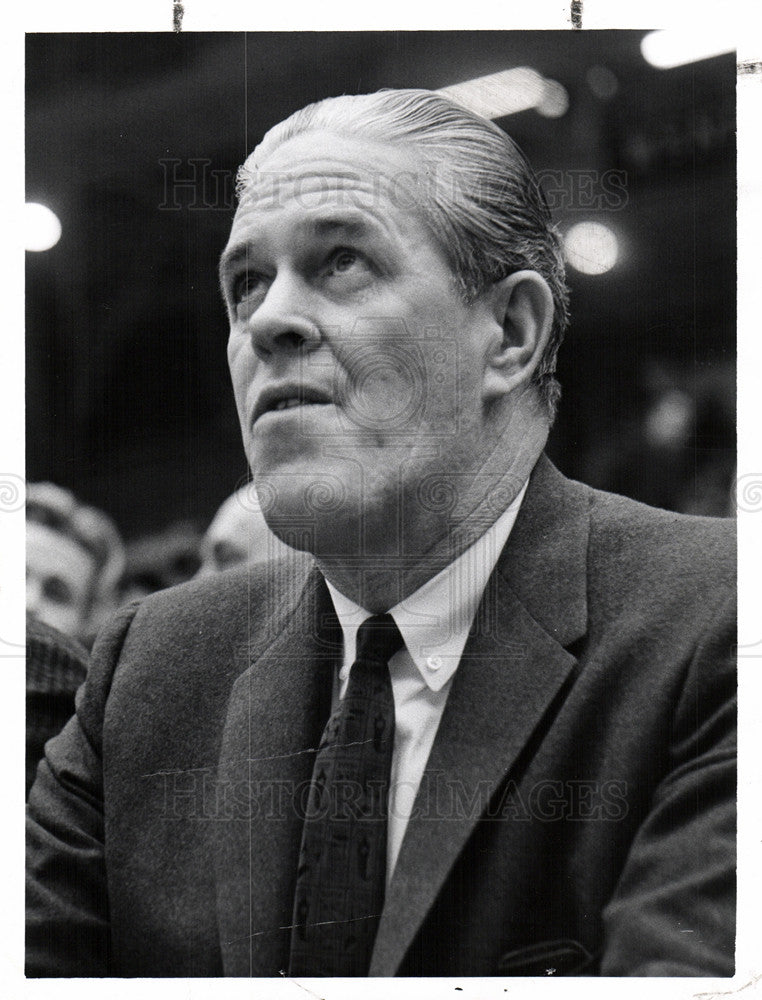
{"x":514,"y":668}
{"x":545,"y":560}
{"x":276,"y":713}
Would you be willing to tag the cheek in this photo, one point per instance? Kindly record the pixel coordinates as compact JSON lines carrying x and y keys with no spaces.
{"x":382,"y":377}
{"x":383,"y":397}
{"x":67,"y":620}
{"x":235,"y":352}
{"x":241,"y":363}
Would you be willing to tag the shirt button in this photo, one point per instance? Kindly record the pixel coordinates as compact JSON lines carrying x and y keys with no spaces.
{"x":434,"y":662}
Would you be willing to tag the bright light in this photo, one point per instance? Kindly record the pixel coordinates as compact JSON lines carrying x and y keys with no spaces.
{"x":591,"y":247}
{"x":555,"y":100}
{"x":42,"y":230}
{"x":508,"y":92}
{"x":665,"y":49}
{"x":668,"y":423}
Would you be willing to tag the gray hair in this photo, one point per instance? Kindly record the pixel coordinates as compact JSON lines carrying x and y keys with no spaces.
{"x":486,"y":209}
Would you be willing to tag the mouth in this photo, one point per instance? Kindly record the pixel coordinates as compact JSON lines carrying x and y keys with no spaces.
{"x":278,"y":399}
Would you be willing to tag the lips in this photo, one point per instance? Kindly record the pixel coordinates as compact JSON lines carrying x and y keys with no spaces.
{"x":287,"y":396}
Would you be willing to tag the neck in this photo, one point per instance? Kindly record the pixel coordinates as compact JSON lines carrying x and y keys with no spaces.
{"x":432,"y":541}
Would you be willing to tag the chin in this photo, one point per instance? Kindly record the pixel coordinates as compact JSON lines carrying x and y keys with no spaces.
{"x":310,"y":509}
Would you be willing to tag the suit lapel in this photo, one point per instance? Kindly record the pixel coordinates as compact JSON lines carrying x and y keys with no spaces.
{"x":276,"y":713}
{"x":513,"y":667}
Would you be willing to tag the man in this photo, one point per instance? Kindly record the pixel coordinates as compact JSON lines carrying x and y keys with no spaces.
{"x":237,"y":534}
{"x":74,"y":559}
{"x":558,"y":794}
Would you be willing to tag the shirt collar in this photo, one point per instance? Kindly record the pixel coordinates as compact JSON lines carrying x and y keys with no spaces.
{"x":435,"y":620}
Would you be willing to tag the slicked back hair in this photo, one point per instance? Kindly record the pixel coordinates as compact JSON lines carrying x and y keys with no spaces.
{"x":480,"y":196}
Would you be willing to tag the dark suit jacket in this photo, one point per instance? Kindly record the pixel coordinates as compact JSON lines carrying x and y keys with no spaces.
{"x":577,"y":811}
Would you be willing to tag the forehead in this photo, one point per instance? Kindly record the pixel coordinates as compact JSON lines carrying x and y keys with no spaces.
{"x":49,"y":550}
{"x":321,"y":179}
{"x":232,"y":520}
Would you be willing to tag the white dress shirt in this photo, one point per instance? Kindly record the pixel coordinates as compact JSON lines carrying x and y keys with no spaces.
{"x":434,"y":622}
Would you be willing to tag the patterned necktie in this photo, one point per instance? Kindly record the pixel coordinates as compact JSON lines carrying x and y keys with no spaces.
{"x":341,"y":877}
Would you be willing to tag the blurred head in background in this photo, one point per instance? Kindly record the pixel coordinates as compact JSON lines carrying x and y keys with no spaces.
{"x":238,"y":534}
{"x":74,"y":558}
{"x":160,"y":560}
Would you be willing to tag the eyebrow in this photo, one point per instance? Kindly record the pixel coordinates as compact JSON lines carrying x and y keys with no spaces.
{"x":355,"y":227}
{"x":230,"y":259}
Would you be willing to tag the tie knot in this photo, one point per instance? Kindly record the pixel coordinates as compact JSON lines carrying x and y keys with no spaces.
{"x":378,"y":638}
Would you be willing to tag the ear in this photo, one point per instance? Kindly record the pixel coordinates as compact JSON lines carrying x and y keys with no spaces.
{"x":523,"y":307}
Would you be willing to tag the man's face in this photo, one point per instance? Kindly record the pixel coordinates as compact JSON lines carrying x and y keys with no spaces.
{"x":59,"y":573}
{"x":356,"y":366}
{"x":238,"y":534}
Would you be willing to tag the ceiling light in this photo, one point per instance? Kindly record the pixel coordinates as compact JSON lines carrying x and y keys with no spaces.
{"x":42,"y":230}
{"x":665,"y":49}
{"x":508,"y":92}
{"x":555,"y":100}
{"x":591,"y":247}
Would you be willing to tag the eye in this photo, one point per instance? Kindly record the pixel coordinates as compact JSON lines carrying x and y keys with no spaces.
{"x":342,"y":259}
{"x":225,"y":554}
{"x":246,"y":284}
{"x":57,"y":591}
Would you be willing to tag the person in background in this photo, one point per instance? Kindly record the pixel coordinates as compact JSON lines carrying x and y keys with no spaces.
{"x":74,"y":559}
{"x":160,"y":560}
{"x":238,"y":534}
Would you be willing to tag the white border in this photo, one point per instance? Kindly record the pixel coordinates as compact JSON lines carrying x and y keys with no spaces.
{"x":745,"y":20}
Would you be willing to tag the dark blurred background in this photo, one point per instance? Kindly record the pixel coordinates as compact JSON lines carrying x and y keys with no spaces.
{"x":128,"y":397}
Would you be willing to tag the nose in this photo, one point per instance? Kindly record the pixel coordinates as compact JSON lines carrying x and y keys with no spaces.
{"x":281,"y":324}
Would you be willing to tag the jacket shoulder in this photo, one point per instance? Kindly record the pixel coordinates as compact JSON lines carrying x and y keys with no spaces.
{"x":219,"y":604}
{"x":660,"y":543}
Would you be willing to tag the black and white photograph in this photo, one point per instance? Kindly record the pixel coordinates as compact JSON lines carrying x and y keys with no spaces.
{"x":381,"y":486}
